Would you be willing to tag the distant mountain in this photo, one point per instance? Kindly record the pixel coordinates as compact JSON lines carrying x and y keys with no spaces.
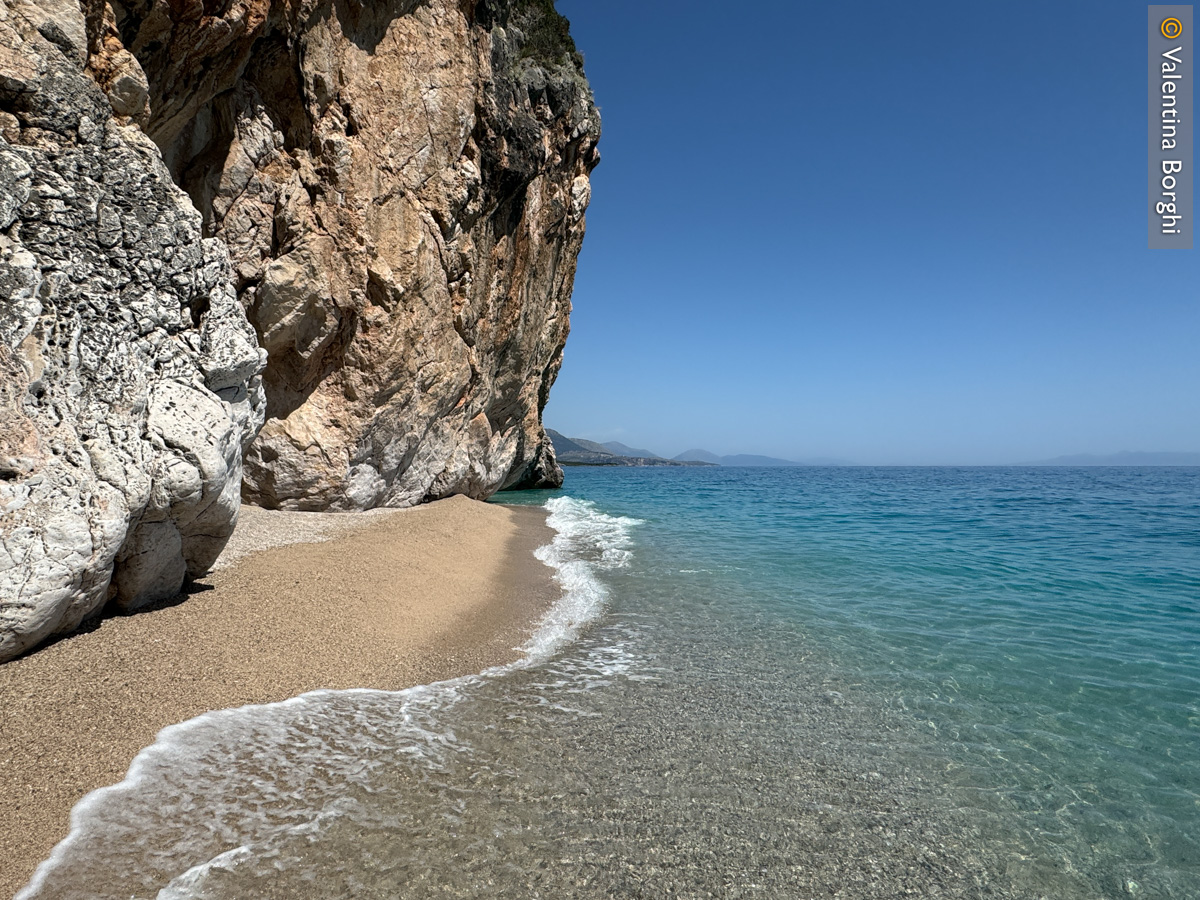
{"x":563,"y":444}
{"x":592,"y":446}
{"x":580,"y":452}
{"x":625,"y":450}
{"x":699,"y":456}
{"x":1126,"y":458}
{"x":749,"y":459}
{"x":737,"y":459}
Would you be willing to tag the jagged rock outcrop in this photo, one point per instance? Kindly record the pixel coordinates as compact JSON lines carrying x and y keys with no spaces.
{"x":129,"y":376}
{"x":401,"y":186}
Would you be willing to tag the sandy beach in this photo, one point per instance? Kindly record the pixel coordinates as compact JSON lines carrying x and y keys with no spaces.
{"x":386,"y":599}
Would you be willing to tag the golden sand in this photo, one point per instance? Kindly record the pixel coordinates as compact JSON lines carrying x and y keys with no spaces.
{"x":386,"y":600}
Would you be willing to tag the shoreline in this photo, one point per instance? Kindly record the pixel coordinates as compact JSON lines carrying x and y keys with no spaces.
{"x":463,"y":593}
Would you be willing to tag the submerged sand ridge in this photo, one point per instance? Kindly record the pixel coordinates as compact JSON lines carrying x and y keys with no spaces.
{"x":386,"y":599}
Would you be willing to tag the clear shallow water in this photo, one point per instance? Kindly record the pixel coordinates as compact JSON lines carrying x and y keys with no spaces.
{"x":763,"y":683}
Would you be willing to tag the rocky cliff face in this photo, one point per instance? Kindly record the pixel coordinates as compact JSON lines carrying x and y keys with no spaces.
{"x":128,"y":374}
{"x":391,"y":193}
{"x":401,"y":186}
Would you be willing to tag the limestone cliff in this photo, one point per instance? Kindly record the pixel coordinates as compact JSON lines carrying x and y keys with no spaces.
{"x":129,"y":377}
{"x":388,"y":197}
{"x":401,"y":186}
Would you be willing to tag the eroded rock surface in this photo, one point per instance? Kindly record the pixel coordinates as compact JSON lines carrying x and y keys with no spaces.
{"x":401,"y":186}
{"x":129,"y":376}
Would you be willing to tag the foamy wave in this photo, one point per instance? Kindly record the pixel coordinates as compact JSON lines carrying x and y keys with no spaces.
{"x":216,"y":792}
{"x":586,"y":542}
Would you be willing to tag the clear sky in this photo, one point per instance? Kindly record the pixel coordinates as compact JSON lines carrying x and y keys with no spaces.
{"x":896,"y":233}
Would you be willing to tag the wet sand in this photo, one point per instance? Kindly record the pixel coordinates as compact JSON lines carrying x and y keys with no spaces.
{"x":387,"y":599}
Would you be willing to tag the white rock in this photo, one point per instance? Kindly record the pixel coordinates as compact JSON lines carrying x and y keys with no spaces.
{"x":129,"y":376}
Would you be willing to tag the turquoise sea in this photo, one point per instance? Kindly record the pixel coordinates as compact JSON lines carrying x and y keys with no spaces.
{"x":775,"y":683}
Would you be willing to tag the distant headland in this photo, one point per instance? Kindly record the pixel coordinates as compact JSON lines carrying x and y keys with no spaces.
{"x":582,"y":452}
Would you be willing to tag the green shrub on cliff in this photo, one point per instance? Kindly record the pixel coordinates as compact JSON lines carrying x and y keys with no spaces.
{"x":547,"y":33}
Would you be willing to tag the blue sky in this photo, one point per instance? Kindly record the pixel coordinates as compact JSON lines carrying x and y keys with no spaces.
{"x":891,"y":233}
